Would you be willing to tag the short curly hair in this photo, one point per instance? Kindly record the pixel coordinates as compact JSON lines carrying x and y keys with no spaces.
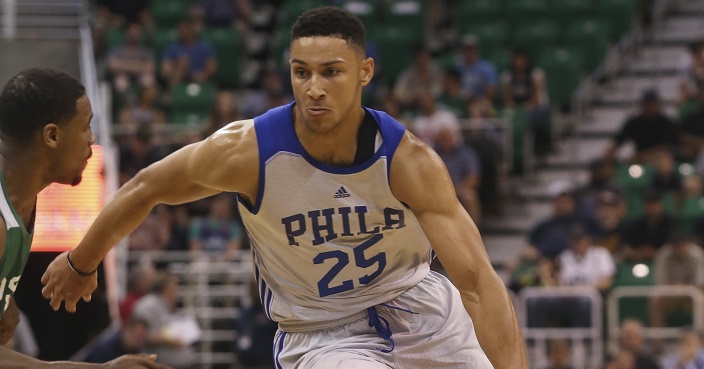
{"x":330,"y":21}
{"x":34,"y":98}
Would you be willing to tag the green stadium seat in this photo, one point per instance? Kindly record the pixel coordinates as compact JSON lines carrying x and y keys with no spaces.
{"x":634,"y":179}
{"x":633,"y":307}
{"x":563,"y":70}
{"x":536,"y":36}
{"x":519,"y":120}
{"x":188,"y":118}
{"x":162,"y":38}
{"x":395,"y":45}
{"x":618,"y":14}
{"x":364,"y":10}
{"x":191,"y":100}
{"x":501,"y":57}
{"x":491,"y":35}
{"x":568,"y":11}
{"x":478,"y":10}
{"x":292,"y":9}
{"x":228,"y":47}
{"x":408,"y":14}
{"x":167,"y":13}
{"x":519,"y":11}
{"x":592,"y":37}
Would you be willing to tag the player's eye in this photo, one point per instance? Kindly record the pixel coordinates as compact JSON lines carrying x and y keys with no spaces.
{"x":301,"y":73}
{"x":332,"y":72}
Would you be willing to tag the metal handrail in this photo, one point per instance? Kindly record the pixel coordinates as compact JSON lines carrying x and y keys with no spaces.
{"x":617,"y":293}
{"x":594,"y":333}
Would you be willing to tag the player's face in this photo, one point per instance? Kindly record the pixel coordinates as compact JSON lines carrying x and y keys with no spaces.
{"x":74,"y":150}
{"x":327,"y":76}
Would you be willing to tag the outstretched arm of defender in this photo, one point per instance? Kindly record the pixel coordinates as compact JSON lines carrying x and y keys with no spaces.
{"x":419,"y":178}
{"x":226,"y":161}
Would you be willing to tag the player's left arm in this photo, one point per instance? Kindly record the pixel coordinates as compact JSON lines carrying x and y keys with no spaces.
{"x":419,"y":178}
{"x":9,"y":322}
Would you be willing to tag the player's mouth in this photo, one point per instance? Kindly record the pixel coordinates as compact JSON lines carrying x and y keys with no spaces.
{"x":317,"y":111}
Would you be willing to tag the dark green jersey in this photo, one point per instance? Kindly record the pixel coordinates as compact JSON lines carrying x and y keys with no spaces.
{"x":17,"y":244}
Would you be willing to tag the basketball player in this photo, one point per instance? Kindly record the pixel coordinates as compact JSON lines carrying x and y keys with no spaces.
{"x":45,"y":137}
{"x":342,"y":206}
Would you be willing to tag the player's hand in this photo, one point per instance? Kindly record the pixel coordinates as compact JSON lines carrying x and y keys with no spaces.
{"x":9,"y":322}
{"x":142,"y":361}
{"x":62,"y":284}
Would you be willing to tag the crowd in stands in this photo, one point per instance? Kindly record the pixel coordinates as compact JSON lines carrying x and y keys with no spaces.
{"x":183,"y":67}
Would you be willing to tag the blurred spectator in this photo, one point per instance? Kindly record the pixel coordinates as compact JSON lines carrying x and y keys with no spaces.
{"x":129,"y":339}
{"x":254,"y":333}
{"x":218,"y":233}
{"x":188,"y":59}
{"x":692,"y":77}
{"x":479,"y":79}
{"x":225,"y":13}
{"x":224,"y":112}
{"x":272,"y":93}
{"x":132,"y":63}
{"x":623,"y":360}
{"x":601,"y":178}
{"x":423,"y":75}
{"x":647,"y":234}
{"x":584,"y":264}
{"x":631,"y":341}
{"x":392,"y":108}
{"x":551,"y":236}
{"x":531,"y":270}
{"x":463,"y":166}
{"x":667,"y":177}
{"x":124,"y":11}
{"x":692,"y":131}
{"x":431,"y":119}
{"x":160,"y":309}
{"x":139,"y":283}
{"x":650,"y":130}
{"x":451,"y":97}
{"x":559,"y":355}
{"x":138,"y":154}
{"x":153,"y":233}
{"x":687,"y":355}
{"x":180,"y":228}
{"x":146,"y":111}
{"x":679,"y":263}
{"x":610,"y":214}
{"x":523,"y":86}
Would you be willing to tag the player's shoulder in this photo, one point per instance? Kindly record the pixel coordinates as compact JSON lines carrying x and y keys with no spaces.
{"x":238,"y":135}
{"x":413,"y":153}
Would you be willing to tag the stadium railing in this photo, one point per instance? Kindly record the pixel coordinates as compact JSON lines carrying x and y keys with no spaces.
{"x":586,"y":343}
{"x":615,"y":314}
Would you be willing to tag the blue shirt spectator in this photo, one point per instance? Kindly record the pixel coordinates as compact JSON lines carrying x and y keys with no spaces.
{"x":188,"y":59}
{"x":479,"y":77}
{"x":129,"y":339}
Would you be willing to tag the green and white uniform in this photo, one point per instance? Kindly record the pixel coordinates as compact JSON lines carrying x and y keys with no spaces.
{"x":17,"y":245}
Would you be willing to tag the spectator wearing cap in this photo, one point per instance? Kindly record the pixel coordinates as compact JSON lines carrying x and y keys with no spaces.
{"x":650,"y":130}
{"x":585,"y":264}
{"x":648,"y":233}
{"x":479,"y":77}
{"x":610,"y":214}
{"x":551,"y":236}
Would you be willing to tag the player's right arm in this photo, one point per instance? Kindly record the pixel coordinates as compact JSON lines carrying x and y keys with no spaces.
{"x":226,"y":161}
{"x":15,"y":360}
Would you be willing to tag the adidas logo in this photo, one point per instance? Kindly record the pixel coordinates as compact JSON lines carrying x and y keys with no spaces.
{"x":341,"y":193}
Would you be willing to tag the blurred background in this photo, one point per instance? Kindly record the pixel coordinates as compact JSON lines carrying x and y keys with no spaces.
{"x":572,"y":129}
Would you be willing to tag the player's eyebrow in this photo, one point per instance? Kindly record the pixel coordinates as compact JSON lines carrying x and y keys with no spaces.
{"x":325,"y":64}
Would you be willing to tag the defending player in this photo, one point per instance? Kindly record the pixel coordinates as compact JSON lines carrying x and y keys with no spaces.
{"x":45,"y":137}
{"x":342,"y":206}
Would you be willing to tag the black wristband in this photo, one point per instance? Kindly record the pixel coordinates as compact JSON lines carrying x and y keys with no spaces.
{"x":78,"y":272}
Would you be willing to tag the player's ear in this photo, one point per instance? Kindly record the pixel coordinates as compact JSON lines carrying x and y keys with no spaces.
{"x":366,"y":71}
{"x":50,"y":135}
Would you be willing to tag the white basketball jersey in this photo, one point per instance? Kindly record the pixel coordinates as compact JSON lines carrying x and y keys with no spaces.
{"x":329,"y":242}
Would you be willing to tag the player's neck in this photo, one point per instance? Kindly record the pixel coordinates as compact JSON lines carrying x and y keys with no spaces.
{"x":336,"y":147}
{"x":23,"y":176}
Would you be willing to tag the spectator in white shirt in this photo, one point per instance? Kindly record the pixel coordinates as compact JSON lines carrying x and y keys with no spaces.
{"x":584,"y":264}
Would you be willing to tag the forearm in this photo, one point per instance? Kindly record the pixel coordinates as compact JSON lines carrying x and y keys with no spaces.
{"x":123,"y":213}
{"x":496,"y":323}
{"x":14,"y":360}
